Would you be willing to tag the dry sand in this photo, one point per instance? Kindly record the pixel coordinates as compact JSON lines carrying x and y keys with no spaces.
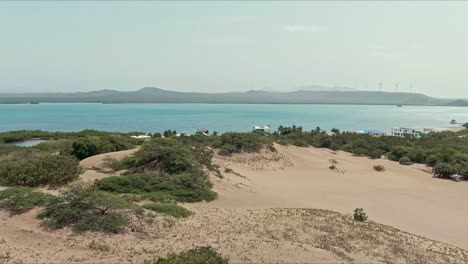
{"x":405,"y":197}
{"x":244,"y":236}
{"x":243,"y":224}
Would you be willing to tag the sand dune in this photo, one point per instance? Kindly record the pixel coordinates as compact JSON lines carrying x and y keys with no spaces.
{"x":406,"y":197}
{"x":248,"y":225}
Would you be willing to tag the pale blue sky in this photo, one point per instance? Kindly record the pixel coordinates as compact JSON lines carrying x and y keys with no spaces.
{"x":234,"y":46}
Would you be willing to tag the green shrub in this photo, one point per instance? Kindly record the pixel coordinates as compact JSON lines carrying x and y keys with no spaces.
{"x":168,"y":209}
{"x":63,"y":146}
{"x":113,"y":163}
{"x":444,"y":170}
{"x":397,"y":153}
{"x":19,"y":200}
{"x":405,"y":161}
{"x":360,"y":215}
{"x":379,"y":168}
{"x":199,"y":255}
{"x":241,"y":142}
{"x":93,"y":145}
{"x":161,"y":187}
{"x":166,"y":155}
{"x":54,"y":170}
{"x":83,"y":207}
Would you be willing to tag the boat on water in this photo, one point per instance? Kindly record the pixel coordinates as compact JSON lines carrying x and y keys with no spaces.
{"x":399,"y":105}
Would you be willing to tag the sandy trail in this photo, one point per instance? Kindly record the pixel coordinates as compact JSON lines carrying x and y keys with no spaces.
{"x":405,"y":197}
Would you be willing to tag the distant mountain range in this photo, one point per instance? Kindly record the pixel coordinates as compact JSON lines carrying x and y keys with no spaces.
{"x":302,"y":96}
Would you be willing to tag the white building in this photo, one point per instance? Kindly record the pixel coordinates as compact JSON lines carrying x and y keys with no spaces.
{"x":262,"y":129}
{"x":406,"y":132}
{"x":141,"y":137}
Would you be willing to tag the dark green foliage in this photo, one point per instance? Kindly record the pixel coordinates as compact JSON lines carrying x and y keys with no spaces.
{"x":83,"y":207}
{"x":465,"y":125}
{"x":15,"y":136}
{"x":359,"y":215}
{"x":379,"y":168}
{"x":166,"y":155}
{"x":161,"y":187}
{"x":232,"y":142}
{"x":93,"y":145}
{"x":168,"y":209}
{"x":396,"y":153}
{"x":199,"y":255}
{"x":51,"y":170}
{"x":167,"y":169}
{"x":19,"y":200}
{"x":169,"y":133}
{"x":444,"y":170}
{"x":63,"y":146}
{"x":405,"y":161}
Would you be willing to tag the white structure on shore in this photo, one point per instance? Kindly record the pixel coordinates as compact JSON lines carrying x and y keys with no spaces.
{"x":406,"y":132}
{"x":262,"y":129}
{"x":141,"y":137}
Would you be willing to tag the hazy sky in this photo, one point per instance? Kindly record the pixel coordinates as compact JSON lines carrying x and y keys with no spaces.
{"x":234,"y":46}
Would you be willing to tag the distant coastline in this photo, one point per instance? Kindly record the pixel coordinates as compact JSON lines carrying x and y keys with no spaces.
{"x":157,"y":95}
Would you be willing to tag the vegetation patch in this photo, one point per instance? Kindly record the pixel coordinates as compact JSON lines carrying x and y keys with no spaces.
{"x":168,"y":209}
{"x":199,"y":255}
{"x":83,"y":207}
{"x":379,"y":168}
{"x":405,"y":161}
{"x":161,"y":187}
{"x":171,"y":156}
{"x":18,"y":200}
{"x":232,"y":142}
{"x":53,"y":170}
{"x":359,"y":215}
{"x":93,"y":145}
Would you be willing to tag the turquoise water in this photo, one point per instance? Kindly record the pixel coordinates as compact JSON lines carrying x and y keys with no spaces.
{"x":187,"y":118}
{"x":30,"y":143}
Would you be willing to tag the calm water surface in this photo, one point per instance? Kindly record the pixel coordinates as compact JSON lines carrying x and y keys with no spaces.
{"x":221,"y":117}
{"x":29,"y":143}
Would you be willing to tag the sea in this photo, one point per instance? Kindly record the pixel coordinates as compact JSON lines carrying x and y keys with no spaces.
{"x":186,"y":118}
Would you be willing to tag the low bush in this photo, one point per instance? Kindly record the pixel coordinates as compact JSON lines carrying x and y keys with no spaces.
{"x":233,"y":142}
{"x":359,"y":215}
{"x":113,"y":164}
{"x":18,"y":200}
{"x":168,"y":209}
{"x":161,"y":187}
{"x":444,"y":170}
{"x":83,"y":207}
{"x":54,"y":170}
{"x":62,"y":146}
{"x":379,"y":168}
{"x":93,"y":145}
{"x":165,"y":155}
{"x":199,"y":255}
{"x":405,"y":161}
